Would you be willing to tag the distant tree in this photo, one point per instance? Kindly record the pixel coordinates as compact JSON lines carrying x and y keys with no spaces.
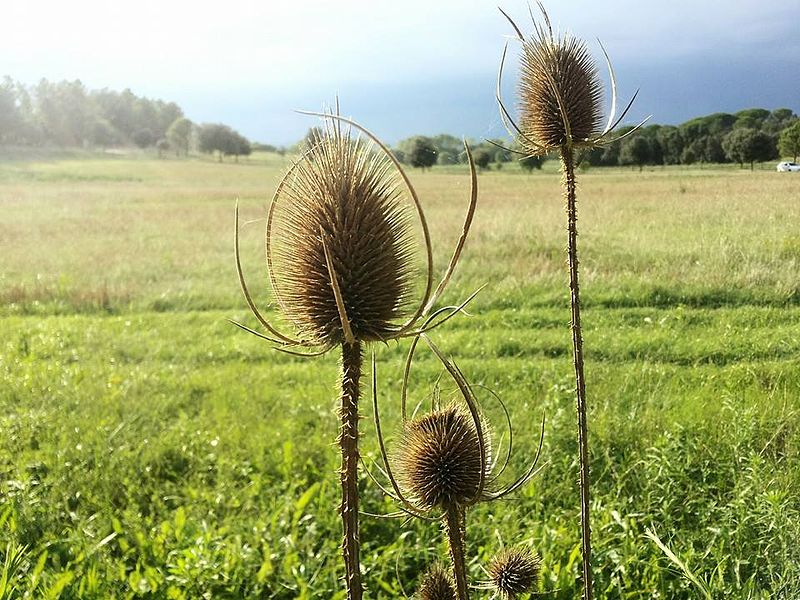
{"x":10,"y":117}
{"x":689,"y":155}
{"x":748,"y":145}
{"x":751,"y":118}
{"x":635,"y":151}
{"x":778,"y":120}
{"x":446,"y":157}
{"x":223,"y":140}
{"x":712,"y":149}
{"x":789,"y":141}
{"x":529,"y":163}
{"x":423,"y":153}
{"x":163,"y":147}
{"x":482,"y":158}
{"x":178,"y":135}
{"x":143,"y":138}
{"x":400,"y":155}
{"x":103,"y":134}
{"x":672,"y":145}
{"x":213,"y":137}
{"x":238,"y":145}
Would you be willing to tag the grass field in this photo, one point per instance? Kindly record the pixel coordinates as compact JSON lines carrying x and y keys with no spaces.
{"x":150,"y":449}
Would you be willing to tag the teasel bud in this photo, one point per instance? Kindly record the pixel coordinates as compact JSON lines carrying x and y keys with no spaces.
{"x":436,"y":584}
{"x":514,"y":571}
{"x":440,"y":461}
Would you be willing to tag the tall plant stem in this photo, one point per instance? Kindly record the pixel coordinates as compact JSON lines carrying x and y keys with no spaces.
{"x":568,"y":181}
{"x":348,"y":443}
{"x":454,"y":524}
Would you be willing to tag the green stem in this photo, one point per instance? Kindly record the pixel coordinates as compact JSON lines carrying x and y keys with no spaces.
{"x":568,"y":168}
{"x":454,"y":524}
{"x":348,"y":443}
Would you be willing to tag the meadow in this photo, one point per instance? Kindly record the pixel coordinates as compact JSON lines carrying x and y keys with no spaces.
{"x":151,"y":449}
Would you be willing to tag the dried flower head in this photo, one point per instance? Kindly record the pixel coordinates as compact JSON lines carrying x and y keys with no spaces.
{"x":439,"y":461}
{"x":514,"y":571}
{"x":560,"y":93}
{"x":444,"y":459}
{"x":342,"y":212}
{"x":341,"y":254}
{"x":436,"y":584}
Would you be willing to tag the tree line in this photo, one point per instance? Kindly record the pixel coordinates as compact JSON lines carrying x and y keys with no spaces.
{"x":68,"y":115}
{"x":745,"y":137}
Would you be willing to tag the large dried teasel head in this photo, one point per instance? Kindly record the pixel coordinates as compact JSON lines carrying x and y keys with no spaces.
{"x":342,"y":212}
{"x":514,"y":571}
{"x":560,"y":93}
{"x":436,"y":584}
{"x":341,"y":250}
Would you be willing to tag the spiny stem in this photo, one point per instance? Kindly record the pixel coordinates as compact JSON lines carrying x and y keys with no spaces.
{"x":454,"y":524}
{"x":568,"y":168}
{"x":348,"y":443}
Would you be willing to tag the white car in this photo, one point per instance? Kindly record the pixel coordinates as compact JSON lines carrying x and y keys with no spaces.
{"x":785,"y":167}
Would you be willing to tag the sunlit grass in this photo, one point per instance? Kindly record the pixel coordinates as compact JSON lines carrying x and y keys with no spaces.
{"x":150,"y":448}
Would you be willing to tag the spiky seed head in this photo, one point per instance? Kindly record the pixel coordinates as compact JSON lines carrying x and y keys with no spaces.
{"x":558,"y":73}
{"x":514,"y":571}
{"x":436,"y":584}
{"x":344,"y":191}
{"x":439,"y":462}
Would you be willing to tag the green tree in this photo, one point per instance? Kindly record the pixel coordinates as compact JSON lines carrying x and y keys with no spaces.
{"x":789,"y":141}
{"x":223,"y":140}
{"x":635,"y":151}
{"x":178,"y":135}
{"x":143,"y":138}
{"x":748,"y":145}
{"x":529,"y":163}
{"x":163,"y":147}
{"x":423,"y":153}
{"x":482,"y":158}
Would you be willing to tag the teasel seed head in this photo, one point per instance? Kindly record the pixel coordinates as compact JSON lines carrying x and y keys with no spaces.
{"x":439,"y":460}
{"x":560,"y":92}
{"x":514,"y":571}
{"x":340,"y":214}
{"x":436,"y":584}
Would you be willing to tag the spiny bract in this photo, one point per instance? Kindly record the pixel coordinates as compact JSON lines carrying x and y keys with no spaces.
{"x":344,"y":193}
{"x":554,"y":69}
{"x":514,"y":571}
{"x":436,"y":584}
{"x":440,"y":459}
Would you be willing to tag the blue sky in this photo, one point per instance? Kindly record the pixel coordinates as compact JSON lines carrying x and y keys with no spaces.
{"x":418,"y":66}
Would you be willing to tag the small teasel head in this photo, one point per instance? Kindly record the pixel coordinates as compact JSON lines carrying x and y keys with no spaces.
{"x":514,"y":571}
{"x":443,"y":459}
{"x":440,"y":461}
{"x":340,"y":214}
{"x":436,"y":584}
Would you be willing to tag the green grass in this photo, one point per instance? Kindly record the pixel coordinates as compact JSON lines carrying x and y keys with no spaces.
{"x":150,"y":449}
